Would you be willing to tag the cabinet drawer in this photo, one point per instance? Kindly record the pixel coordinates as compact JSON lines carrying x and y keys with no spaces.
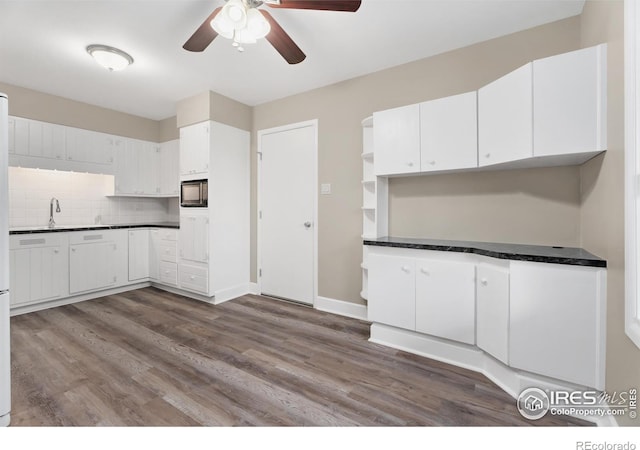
{"x":169,"y":273}
{"x":167,"y":251}
{"x":194,"y":278}
{"x":91,"y":237}
{"x":18,"y":242}
{"x":168,"y":234}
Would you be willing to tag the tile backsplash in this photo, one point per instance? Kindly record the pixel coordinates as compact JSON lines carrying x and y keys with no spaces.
{"x":83,"y":200}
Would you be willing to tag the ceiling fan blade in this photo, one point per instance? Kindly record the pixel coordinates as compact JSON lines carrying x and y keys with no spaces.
{"x":203,"y":36}
{"x":323,"y":5}
{"x":282,"y":42}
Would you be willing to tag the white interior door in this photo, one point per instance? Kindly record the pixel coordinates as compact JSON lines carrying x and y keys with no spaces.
{"x":287,"y":202}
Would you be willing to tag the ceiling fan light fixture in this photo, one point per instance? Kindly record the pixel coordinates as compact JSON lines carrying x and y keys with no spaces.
{"x":244,"y":36}
{"x":222,"y":26}
{"x":235,"y":13}
{"x":257,"y":25}
{"x":110,"y":58}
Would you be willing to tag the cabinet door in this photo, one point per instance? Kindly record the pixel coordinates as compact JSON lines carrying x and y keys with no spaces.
{"x":92,"y":266}
{"x":21,"y":136}
{"x":445,"y":299}
{"x":12,"y":134}
{"x":195,"y":149}
{"x":35,"y":138}
{"x":392,"y":296}
{"x":101,"y":148}
{"x":37,"y":274}
{"x":77,"y":144}
{"x":138,"y":255}
{"x":53,"y":141}
{"x":569,"y":92}
{"x":396,"y":140}
{"x":169,"y":168}
{"x":492,"y":297}
{"x":126,"y":167}
{"x":505,"y":118}
{"x":194,"y":238}
{"x":154,"y":255}
{"x":557,"y":322}
{"x":149,"y":168}
{"x":449,"y":133}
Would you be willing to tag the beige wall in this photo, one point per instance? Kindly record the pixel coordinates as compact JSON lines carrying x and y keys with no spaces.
{"x":530,"y":206}
{"x":213,"y":106}
{"x":50,"y":108}
{"x":602,"y":212}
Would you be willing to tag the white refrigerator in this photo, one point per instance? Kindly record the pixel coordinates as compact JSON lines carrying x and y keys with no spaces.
{"x":5,"y":349}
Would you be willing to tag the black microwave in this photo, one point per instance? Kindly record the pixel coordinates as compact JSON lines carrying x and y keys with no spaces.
{"x":194,"y":194}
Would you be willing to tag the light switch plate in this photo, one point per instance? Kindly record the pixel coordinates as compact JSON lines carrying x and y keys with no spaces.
{"x":325,"y":188}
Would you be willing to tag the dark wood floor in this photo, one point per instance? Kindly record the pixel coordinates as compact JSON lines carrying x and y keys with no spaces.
{"x":148,"y":357}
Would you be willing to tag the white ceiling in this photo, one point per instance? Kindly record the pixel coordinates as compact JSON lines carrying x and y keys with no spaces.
{"x":42,"y":46}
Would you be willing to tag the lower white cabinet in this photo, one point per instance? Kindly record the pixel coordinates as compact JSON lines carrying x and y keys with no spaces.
{"x":427,"y":295}
{"x":492,"y":309}
{"x":163,"y":264}
{"x":38,"y":268}
{"x":139,"y":254}
{"x":194,"y":237}
{"x":445,"y":299}
{"x":557,"y":321}
{"x":92,"y":264}
{"x":392,"y":292}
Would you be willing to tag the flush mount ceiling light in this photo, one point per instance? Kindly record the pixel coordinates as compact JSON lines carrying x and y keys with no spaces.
{"x":110,"y":57}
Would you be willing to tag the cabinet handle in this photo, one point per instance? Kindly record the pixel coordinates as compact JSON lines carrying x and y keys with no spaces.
{"x":73,"y":250}
{"x":192,"y":277}
{"x":410,"y":163}
{"x":56,"y":251}
{"x":425,"y":271}
{"x":433,"y":163}
{"x":406,"y":269}
{"x":488,"y":155}
{"x":484,"y":282}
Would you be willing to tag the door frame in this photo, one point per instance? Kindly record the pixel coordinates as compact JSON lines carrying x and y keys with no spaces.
{"x":293,"y":126}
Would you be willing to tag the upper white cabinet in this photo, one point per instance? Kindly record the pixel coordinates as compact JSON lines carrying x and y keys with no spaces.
{"x":138,"y":168}
{"x":505,"y":118}
{"x":449,"y":133}
{"x":170,"y":168}
{"x":12,"y":134}
{"x":445,"y":299}
{"x":195,"y":147}
{"x":396,"y":137}
{"x":569,"y":103}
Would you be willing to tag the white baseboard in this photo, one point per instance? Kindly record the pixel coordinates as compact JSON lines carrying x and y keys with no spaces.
{"x":510,"y":380}
{"x":224,"y":295}
{"x":5,"y":420}
{"x":23,"y":309}
{"x":341,"y":307}
{"x":254,"y":289}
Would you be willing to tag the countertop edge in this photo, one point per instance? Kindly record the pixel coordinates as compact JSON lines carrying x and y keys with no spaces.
{"x":584,"y":262}
{"x":94,"y":228}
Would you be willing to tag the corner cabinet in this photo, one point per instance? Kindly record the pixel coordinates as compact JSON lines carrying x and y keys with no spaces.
{"x":195,"y":146}
{"x":375,"y":193}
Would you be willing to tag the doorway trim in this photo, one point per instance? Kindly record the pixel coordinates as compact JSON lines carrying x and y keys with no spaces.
{"x":314,"y":124}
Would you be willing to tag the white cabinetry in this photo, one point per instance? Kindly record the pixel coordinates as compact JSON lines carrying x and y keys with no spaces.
{"x":397,"y":140}
{"x":449,"y":133}
{"x":137,"y":170}
{"x":194,"y":238}
{"x":139,"y":254}
{"x":163,"y":267}
{"x":93,"y":261}
{"x":445,"y":299}
{"x":492,"y":309}
{"x":375,"y":195}
{"x":12,"y":134}
{"x":195,"y":147}
{"x":170,"y":168}
{"x":557,"y":321}
{"x":392,"y":292}
{"x":569,"y":103}
{"x":505,"y":116}
{"x":38,"y":268}
{"x":434,"y":295}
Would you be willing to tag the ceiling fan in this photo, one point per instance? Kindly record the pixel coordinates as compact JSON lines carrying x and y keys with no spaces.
{"x":242,"y":21}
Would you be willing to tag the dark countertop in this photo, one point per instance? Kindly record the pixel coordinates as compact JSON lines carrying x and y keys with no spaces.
{"x":517,"y":252}
{"x":59,"y":228}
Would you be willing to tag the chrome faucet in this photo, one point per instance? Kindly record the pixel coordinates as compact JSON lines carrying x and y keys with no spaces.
{"x":52,"y":223}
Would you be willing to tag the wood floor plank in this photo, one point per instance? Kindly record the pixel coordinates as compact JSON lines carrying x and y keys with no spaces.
{"x":149,"y":357}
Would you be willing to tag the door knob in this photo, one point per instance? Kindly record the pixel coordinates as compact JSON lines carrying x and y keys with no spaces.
{"x":307,"y":224}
